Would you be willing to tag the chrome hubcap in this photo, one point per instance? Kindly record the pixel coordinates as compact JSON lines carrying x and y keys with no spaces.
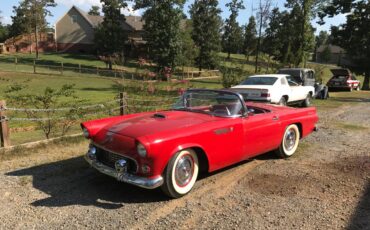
{"x":184,"y":170}
{"x":290,"y":139}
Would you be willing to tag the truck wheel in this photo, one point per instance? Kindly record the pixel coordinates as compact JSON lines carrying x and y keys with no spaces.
{"x":307,"y":101}
{"x":181,"y":173}
{"x":290,"y":142}
{"x":325,"y":93}
{"x":282,"y":101}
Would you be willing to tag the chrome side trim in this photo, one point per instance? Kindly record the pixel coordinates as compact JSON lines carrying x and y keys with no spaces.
{"x":126,"y":177}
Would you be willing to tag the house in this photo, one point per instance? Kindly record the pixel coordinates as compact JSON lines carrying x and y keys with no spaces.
{"x":330,"y":54}
{"x":26,"y":43}
{"x":74,"y":32}
{"x":2,"y":48}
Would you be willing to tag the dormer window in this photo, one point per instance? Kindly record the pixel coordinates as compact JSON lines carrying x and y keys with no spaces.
{"x":74,"y":19}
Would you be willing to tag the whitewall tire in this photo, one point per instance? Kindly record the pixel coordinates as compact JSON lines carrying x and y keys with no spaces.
{"x":181,"y":173}
{"x":290,"y":142}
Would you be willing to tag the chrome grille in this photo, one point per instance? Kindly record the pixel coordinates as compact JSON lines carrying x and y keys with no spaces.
{"x":109,"y":159}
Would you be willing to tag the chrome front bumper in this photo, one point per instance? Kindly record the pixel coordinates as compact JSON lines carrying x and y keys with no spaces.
{"x":124,"y":176}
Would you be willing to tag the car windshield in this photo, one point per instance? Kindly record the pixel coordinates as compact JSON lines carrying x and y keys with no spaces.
{"x":259,"y":81}
{"x":215,"y":103}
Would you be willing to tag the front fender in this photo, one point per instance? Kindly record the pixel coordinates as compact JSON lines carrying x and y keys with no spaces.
{"x":162,"y":161}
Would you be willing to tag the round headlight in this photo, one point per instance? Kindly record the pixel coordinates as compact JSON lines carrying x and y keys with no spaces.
{"x":92,"y":149}
{"x":85,"y":132}
{"x":141,"y":150}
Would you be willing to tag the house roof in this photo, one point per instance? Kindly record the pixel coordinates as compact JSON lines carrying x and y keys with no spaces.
{"x":333,"y":49}
{"x":131,"y":22}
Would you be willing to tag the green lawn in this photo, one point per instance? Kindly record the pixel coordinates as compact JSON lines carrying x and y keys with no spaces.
{"x":93,"y":89}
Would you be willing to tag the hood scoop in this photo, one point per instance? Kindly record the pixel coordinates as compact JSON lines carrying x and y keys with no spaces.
{"x":159,"y":115}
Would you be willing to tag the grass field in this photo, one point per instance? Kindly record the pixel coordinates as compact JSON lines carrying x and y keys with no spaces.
{"x":92,"y":89}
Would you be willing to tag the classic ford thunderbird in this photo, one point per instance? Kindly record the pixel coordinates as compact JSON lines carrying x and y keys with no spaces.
{"x":206,"y":130}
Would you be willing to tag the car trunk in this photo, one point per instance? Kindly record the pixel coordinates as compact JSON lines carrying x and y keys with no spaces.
{"x":340,"y":72}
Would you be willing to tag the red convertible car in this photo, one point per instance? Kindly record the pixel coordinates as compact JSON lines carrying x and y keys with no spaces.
{"x":206,"y":130}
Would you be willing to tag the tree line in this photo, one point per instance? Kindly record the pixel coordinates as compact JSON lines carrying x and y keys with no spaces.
{"x":285,"y":35}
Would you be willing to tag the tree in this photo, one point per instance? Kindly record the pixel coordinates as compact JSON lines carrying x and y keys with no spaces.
{"x":95,"y":10}
{"x":50,"y":100}
{"x":35,"y":12}
{"x":307,"y":10}
{"x":4,"y":30}
{"x":321,"y":39}
{"x":264,"y":9}
{"x":271,"y":42}
{"x":110,"y":37}
{"x":353,"y":35}
{"x":162,"y":27}
{"x":250,"y":37}
{"x":325,"y":56}
{"x":188,"y":50}
{"x":206,"y":19}
{"x":283,"y":37}
{"x":20,"y":24}
{"x":232,"y":37}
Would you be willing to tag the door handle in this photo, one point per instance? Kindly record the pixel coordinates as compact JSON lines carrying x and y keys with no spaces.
{"x":275,"y":118}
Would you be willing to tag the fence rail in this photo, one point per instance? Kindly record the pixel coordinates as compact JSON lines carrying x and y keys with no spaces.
{"x":121,"y":106}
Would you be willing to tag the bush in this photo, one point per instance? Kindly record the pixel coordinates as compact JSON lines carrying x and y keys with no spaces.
{"x":232,"y":76}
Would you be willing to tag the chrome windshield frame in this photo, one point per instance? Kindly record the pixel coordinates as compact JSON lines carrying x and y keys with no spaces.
{"x":238,"y":95}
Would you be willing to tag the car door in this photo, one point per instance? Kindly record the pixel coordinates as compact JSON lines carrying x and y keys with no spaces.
{"x":225,"y":142}
{"x":297,"y":93}
{"x":262,"y":133}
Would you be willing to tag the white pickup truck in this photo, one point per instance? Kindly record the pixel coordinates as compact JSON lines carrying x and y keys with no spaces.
{"x":275,"y":88}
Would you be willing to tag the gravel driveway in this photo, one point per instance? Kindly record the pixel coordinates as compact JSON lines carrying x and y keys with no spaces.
{"x":326,"y":185}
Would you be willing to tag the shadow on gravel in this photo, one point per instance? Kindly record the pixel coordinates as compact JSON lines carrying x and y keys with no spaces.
{"x":352,"y":99}
{"x":73,"y":182}
{"x":361,"y":217}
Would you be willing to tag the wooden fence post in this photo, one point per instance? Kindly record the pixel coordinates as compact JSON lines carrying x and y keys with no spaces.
{"x":122,"y":103}
{"x":4,"y":128}
{"x":34,"y":66}
{"x":61,"y":68}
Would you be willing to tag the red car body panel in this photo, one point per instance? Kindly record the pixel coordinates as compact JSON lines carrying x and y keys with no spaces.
{"x":225,"y":141}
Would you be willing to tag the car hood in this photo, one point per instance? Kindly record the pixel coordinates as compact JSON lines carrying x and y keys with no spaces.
{"x":340,"y":72}
{"x":151,"y":123}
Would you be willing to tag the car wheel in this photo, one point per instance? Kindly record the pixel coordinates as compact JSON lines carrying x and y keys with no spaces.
{"x":180,"y":174}
{"x":282,"y":101}
{"x":307,"y":101}
{"x":290,"y":142}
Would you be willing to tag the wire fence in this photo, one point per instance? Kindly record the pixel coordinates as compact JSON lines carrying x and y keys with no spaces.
{"x":66,"y":119}
{"x":16,"y":64}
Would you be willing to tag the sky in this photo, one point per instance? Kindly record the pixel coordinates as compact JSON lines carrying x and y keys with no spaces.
{"x":6,"y":8}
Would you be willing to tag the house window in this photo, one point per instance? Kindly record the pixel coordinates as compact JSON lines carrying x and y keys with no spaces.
{"x":74,"y":19}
